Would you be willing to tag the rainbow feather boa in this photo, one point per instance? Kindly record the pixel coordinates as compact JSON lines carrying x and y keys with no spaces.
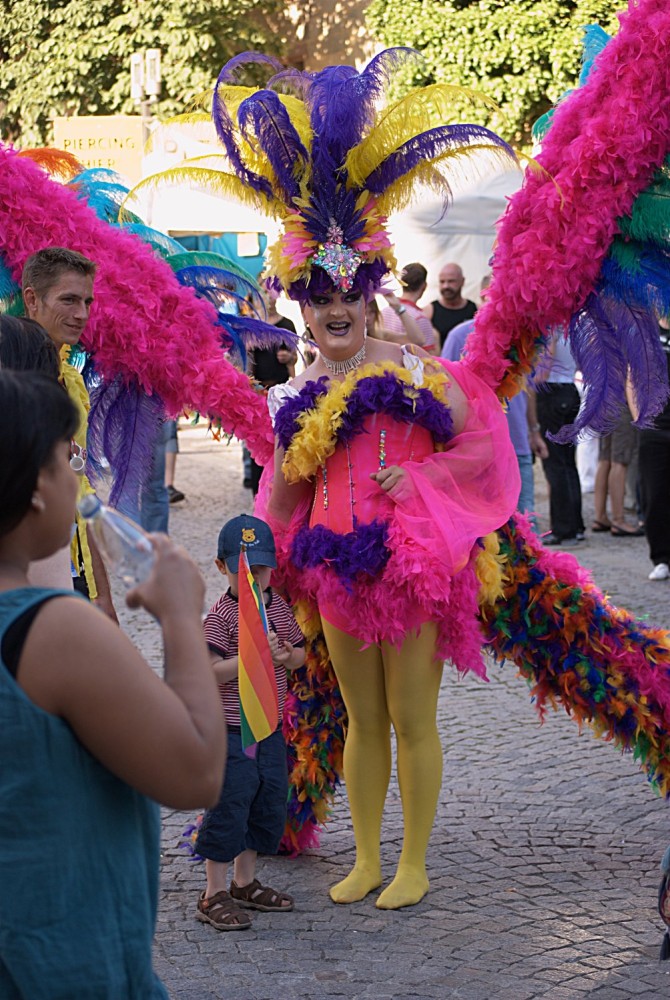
{"x":575,"y":649}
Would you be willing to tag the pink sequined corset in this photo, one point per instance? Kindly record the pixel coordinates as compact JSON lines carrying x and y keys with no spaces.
{"x":344,"y":490}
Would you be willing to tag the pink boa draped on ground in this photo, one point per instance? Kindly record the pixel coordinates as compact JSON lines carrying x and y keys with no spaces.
{"x":144,"y":325}
{"x":603,"y":147}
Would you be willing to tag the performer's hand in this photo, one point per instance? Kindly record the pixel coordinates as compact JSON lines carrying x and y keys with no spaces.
{"x":389,"y":478}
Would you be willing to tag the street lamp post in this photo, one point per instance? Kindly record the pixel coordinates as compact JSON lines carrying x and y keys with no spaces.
{"x":145,"y":84}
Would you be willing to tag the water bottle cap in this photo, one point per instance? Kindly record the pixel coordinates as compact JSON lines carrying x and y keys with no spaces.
{"x":89,"y":505}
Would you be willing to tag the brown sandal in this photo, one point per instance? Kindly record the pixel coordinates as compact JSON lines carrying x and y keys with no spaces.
{"x":222,"y":913}
{"x":260,"y":897}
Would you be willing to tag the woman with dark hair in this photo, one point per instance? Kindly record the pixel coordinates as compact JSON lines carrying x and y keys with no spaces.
{"x":93,"y":734}
{"x":25,"y":346}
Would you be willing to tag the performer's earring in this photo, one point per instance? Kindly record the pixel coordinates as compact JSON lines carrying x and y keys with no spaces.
{"x":37,"y":503}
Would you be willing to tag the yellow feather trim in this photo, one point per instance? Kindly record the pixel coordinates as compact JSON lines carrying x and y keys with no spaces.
{"x":316,"y":438}
{"x":489,"y":568}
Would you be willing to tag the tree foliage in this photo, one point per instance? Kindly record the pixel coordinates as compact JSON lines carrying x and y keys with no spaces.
{"x":67,"y":57}
{"x":524,"y":54}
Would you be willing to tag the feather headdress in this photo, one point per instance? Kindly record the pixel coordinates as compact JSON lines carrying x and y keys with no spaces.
{"x":329,"y":156}
{"x":339,"y":160}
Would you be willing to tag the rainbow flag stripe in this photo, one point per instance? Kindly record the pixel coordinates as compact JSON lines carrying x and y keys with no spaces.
{"x":259,"y":700}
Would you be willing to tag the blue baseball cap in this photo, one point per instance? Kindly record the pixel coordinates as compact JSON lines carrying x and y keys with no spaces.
{"x":250,"y":531}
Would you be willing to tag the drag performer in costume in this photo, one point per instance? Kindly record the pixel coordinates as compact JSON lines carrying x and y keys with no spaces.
{"x":331,"y":165}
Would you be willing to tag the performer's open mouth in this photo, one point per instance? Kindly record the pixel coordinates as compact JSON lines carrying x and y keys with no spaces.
{"x":338,"y":329}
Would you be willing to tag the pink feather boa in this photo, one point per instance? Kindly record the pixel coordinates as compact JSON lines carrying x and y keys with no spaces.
{"x":144,"y":325}
{"x":603,"y":147}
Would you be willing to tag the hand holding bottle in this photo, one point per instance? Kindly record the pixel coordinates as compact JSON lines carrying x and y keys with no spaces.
{"x":174,"y":587}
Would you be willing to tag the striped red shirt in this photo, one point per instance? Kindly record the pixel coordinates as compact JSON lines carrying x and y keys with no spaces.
{"x":221,"y":633}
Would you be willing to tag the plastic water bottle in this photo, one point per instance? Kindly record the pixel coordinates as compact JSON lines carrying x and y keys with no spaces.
{"x":125,"y":547}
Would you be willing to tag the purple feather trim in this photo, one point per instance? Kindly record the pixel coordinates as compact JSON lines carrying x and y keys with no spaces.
{"x":373,"y":394}
{"x":286,"y":420}
{"x":123,"y":427}
{"x":386,"y":393}
{"x":362,"y":550}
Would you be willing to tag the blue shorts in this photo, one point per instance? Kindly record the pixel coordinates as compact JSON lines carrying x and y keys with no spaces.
{"x":251,"y":813}
{"x":171,"y":439}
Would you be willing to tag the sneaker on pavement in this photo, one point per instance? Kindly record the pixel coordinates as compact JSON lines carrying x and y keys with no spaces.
{"x":175,"y":496}
{"x":660,"y":572}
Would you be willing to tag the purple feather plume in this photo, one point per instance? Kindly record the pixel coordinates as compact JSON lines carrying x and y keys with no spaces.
{"x":427,"y":146}
{"x":123,"y":427}
{"x":276,"y":135}
{"x":230,"y":74}
{"x":226,"y":130}
{"x":291,"y":81}
{"x":608,"y":339}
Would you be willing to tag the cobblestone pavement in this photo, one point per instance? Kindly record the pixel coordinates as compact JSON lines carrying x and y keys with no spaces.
{"x":544,"y":857}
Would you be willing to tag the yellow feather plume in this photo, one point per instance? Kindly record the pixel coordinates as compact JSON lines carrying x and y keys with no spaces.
{"x":418,"y":112}
{"x":194,"y":119}
{"x":217,"y":182}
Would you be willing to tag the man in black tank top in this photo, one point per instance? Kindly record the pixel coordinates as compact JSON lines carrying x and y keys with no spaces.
{"x":451,"y":308}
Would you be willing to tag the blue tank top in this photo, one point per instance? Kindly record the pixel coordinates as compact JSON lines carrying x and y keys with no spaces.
{"x":79,"y":852}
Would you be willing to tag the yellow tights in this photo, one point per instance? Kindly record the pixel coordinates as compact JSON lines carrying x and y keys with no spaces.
{"x":383,"y":687}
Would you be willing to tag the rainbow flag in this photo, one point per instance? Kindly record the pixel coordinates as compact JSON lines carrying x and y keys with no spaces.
{"x":259,"y":700}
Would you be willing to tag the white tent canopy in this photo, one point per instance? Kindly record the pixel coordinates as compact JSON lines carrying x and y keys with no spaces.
{"x":464,"y":234}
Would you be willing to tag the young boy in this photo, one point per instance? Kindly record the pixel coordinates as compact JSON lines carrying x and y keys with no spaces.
{"x":251,"y":813}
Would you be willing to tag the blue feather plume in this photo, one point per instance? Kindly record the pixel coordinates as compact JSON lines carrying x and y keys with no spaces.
{"x":162,"y":244}
{"x":247,"y":333}
{"x":220,"y":286}
{"x":104,"y":192}
{"x":610,"y":341}
{"x":594,"y":41}
{"x":8,"y":287}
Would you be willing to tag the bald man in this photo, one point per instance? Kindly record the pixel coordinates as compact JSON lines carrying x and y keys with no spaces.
{"x":451,"y":308}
